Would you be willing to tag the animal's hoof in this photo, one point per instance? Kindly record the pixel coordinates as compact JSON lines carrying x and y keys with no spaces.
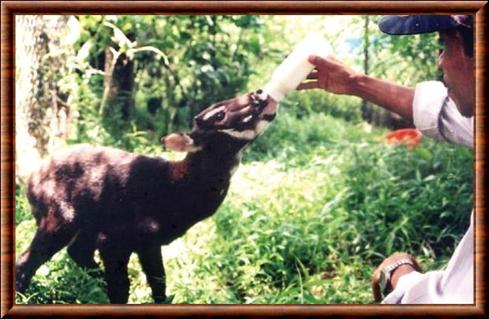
{"x":164,"y":300}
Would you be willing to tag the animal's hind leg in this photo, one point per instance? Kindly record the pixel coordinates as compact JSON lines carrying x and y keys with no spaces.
{"x":44,"y":245}
{"x":152,"y":263}
{"x":82,"y":251}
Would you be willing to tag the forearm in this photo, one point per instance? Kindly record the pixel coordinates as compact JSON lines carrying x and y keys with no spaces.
{"x":391,"y":96}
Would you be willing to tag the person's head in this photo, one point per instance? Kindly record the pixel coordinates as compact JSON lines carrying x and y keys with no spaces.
{"x":456,"y":57}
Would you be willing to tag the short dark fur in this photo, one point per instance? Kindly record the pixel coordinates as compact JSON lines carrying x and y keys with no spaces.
{"x":90,"y":198}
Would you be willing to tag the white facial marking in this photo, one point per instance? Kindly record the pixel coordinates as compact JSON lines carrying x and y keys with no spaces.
{"x":247,"y":119}
{"x":213,"y":112}
{"x":261,"y":126}
{"x":243,"y":135}
{"x":247,"y":134}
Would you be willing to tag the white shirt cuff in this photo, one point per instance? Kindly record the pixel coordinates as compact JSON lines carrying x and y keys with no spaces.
{"x":403,"y":284}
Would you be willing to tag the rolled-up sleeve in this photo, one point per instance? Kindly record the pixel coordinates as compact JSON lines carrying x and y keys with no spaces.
{"x":435,"y":115}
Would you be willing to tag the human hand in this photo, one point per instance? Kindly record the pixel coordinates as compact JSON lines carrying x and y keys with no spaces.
{"x":331,"y":75}
{"x":395,"y":274}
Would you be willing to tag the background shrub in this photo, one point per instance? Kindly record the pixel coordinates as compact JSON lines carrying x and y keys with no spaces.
{"x":318,"y":201}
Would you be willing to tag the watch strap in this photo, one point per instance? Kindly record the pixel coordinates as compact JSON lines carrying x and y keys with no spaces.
{"x":386,"y":273}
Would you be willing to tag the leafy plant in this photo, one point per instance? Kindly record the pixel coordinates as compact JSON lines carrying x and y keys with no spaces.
{"x":318,"y":201}
{"x":316,"y":204}
{"x":182,"y":63}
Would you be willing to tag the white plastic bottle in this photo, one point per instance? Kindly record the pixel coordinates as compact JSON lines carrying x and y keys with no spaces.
{"x":295,"y":68}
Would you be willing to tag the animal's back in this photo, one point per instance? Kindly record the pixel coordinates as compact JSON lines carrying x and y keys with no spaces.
{"x":90,"y":198}
{"x":73,"y":181}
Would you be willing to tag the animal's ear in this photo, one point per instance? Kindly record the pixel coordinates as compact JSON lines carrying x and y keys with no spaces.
{"x":180,"y":142}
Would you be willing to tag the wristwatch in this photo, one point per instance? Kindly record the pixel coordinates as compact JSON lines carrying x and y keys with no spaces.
{"x":386,"y":273}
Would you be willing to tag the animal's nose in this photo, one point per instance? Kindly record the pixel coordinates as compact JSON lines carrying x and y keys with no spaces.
{"x":259,"y":105}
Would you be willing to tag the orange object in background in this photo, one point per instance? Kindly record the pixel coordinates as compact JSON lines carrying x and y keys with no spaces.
{"x":408,"y":136}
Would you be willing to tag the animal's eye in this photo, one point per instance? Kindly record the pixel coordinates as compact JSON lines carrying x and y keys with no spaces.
{"x":219,"y":116}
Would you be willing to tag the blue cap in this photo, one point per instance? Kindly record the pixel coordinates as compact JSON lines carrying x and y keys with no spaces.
{"x":416,"y":24}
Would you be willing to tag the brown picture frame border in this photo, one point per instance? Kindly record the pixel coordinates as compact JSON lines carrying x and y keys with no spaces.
{"x":11,"y":8}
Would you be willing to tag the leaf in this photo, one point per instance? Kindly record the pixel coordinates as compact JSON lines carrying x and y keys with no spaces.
{"x":424,"y":153}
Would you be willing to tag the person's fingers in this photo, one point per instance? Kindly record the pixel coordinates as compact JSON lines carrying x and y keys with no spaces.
{"x":325,"y":64}
{"x":314,"y":59}
{"x":313,"y":75}
{"x":320,"y":62}
{"x":308,"y":85}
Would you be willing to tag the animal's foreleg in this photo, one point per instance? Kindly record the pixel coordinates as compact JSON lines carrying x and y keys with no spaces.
{"x":152,"y":263}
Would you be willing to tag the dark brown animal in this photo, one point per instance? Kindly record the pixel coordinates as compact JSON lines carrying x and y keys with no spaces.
{"x":90,"y":198}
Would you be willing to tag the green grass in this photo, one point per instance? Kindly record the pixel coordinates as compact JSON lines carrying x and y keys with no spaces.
{"x":316,"y":204}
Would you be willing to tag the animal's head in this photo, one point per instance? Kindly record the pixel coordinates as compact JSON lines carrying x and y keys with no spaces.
{"x":228,"y":125}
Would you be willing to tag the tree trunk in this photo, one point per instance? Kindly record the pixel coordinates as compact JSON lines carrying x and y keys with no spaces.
{"x":44,"y":47}
{"x":118,"y":83}
{"x":373,"y":113}
{"x":366,"y":108}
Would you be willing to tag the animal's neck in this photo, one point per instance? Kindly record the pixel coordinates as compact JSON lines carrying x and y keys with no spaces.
{"x":205,"y":166}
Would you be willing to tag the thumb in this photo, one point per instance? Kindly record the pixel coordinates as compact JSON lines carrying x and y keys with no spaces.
{"x":321,"y":62}
{"x":315,"y":60}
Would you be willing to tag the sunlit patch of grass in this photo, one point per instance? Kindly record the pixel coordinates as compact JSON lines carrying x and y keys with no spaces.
{"x":310,"y":213}
{"x":311,"y":230}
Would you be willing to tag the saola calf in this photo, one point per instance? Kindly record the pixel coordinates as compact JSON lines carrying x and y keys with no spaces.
{"x":90,"y":198}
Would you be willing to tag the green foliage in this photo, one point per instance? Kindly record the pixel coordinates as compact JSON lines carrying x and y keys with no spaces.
{"x":405,"y":59}
{"x":185,"y":63}
{"x":22,"y":208}
{"x":291,"y":134}
{"x":309,"y":224}
{"x":318,"y":201}
{"x":60,"y":280}
{"x":314,"y":207}
{"x":427,"y":190}
{"x":182,"y":64}
{"x":318,"y":101}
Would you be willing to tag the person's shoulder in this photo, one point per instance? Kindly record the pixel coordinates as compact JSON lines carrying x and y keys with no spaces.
{"x":427,"y":85}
